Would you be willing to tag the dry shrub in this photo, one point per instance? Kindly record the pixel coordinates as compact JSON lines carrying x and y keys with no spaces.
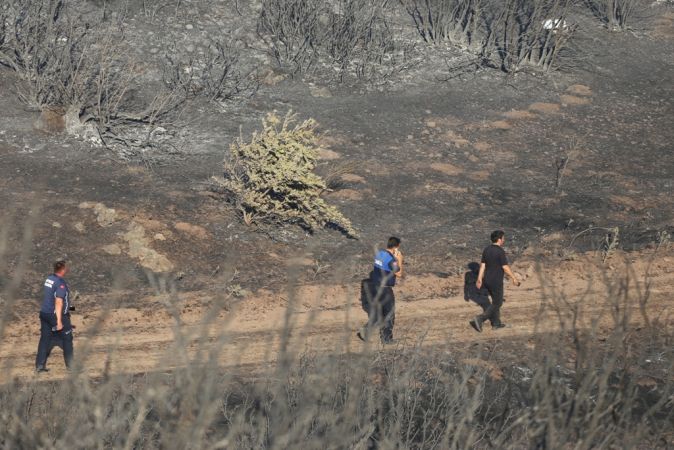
{"x":271,"y":178}
{"x":82,"y":66}
{"x":46,"y":48}
{"x":580,"y":387}
{"x":153,"y":8}
{"x":457,"y":21}
{"x":292,"y":30}
{"x":215,"y":75}
{"x":616,"y":14}
{"x":361,"y":39}
{"x":531,"y":33}
{"x":511,"y":35}
{"x":605,"y":388}
{"x":355,"y":37}
{"x":333,"y":173}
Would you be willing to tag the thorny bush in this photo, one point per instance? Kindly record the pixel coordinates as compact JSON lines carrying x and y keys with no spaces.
{"x":272,"y":179}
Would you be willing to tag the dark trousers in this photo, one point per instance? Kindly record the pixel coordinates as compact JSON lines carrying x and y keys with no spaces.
{"x":493,"y":312}
{"x":50,"y":339}
{"x":379,"y":303}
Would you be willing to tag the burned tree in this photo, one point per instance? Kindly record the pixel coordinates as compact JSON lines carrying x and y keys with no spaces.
{"x":81,"y":68}
{"x":354,"y":37}
{"x":456,"y":21}
{"x":616,"y":14}
{"x":530,"y":33}
{"x":508,"y":35}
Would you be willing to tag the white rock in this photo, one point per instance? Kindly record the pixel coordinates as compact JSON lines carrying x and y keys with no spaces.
{"x":112,"y":249}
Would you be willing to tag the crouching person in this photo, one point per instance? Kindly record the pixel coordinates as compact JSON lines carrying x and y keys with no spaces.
{"x":55,"y":327}
{"x":377,"y":297}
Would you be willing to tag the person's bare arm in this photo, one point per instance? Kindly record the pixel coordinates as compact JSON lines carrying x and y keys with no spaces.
{"x":399,"y":259}
{"x":59,"y":314}
{"x":480,"y":275}
{"x":511,"y":275}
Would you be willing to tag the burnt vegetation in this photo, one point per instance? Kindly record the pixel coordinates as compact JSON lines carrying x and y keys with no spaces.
{"x":81,"y":70}
{"x":78,"y":64}
{"x":508,"y":35}
{"x":349,"y":37}
{"x":615,"y":14}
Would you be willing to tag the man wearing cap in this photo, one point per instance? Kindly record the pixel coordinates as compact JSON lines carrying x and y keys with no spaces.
{"x":55,"y":327}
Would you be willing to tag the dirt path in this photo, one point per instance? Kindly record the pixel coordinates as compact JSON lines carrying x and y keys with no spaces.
{"x":322,"y":319}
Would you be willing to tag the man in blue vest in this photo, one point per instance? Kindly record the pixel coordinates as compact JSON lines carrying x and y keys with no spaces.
{"x":55,"y":327}
{"x":377,"y":292}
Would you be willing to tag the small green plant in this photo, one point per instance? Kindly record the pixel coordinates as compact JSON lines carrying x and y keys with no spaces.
{"x":664,"y":238}
{"x":271,"y":179}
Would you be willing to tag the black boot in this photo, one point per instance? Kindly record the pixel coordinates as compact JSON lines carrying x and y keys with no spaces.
{"x":477,"y":324}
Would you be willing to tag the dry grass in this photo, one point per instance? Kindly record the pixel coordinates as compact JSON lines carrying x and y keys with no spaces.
{"x":579,"y":387}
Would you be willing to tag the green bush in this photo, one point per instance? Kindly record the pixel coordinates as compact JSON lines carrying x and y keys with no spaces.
{"x":271,"y":179}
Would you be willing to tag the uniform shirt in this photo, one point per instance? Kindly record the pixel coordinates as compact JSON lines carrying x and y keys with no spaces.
{"x":55,"y":286}
{"x":495,"y":258}
{"x":385,"y":266}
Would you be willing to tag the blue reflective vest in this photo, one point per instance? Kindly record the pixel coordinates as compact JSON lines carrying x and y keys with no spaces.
{"x":385,"y":267}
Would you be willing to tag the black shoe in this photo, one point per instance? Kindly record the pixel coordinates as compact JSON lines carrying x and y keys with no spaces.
{"x":477,"y":324}
{"x":41,"y":369}
{"x":499,"y":326}
{"x":361,"y":334}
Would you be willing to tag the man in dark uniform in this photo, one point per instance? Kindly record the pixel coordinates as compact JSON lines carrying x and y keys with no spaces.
{"x":493,"y":267}
{"x":55,"y":327}
{"x":377,"y":292}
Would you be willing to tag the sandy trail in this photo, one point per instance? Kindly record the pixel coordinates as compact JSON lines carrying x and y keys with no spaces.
{"x":323,"y":319}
